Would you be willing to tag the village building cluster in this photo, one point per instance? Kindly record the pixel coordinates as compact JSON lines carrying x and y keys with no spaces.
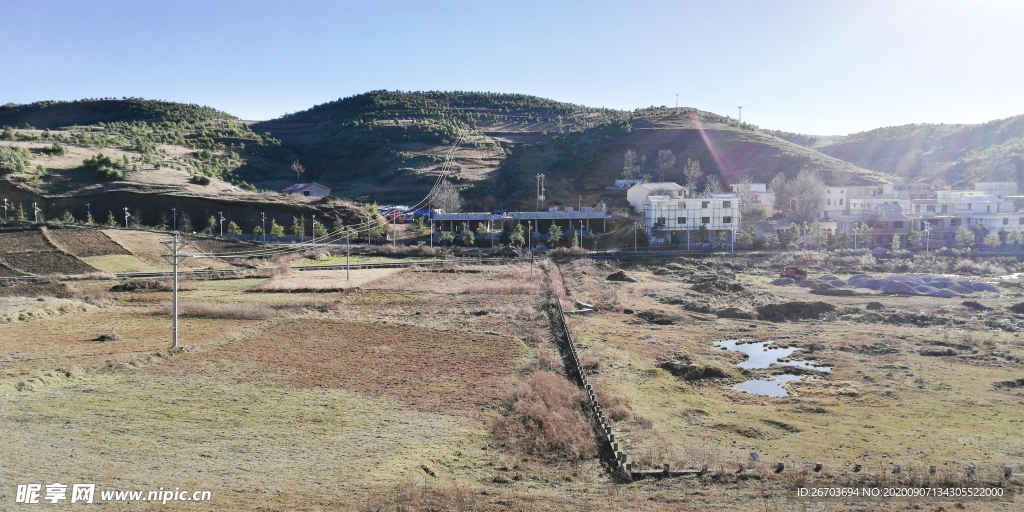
{"x":673,"y":214}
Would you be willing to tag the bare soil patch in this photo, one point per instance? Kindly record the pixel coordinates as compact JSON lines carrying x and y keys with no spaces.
{"x":323,"y":280}
{"x":85,"y":242}
{"x":427,"y":369}
{"x":47,"y":263}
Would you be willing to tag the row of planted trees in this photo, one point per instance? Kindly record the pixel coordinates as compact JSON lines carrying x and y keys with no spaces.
{"x":212,"y":226}
{"x":511,"y":234}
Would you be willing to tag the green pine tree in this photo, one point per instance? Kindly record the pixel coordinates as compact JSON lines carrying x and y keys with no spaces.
{"x":276,"y":230}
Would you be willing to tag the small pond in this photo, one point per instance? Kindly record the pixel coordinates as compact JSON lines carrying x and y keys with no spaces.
{"x":768,"y":387}
{"x":760,"y":356}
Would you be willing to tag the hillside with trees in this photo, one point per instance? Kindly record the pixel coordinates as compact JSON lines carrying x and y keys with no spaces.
{"x":953,"y":153}
{"x":390,"y":146}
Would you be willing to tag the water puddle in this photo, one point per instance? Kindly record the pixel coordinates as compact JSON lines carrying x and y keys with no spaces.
{"x":768,"y":387}
{"x":760,"y":356}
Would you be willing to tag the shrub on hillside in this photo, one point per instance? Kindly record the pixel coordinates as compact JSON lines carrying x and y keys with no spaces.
{"x":13,"y":159}
{"x":105,"y":167}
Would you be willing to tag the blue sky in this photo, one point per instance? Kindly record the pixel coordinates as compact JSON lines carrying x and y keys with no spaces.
{"x":817,"y":67}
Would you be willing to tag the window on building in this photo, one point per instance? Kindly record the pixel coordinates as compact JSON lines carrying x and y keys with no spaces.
{"x":988,"y":208}
{"x":681,"y":221}
{"x":897,"y":224}
{"x":954,"y":222}
{"x":726,"y":204}
{"x":1020,"y":221}
{"x":944,"y":209}
{"x":305,"y":193}
{"x":1006,"y":221}
{"x":931,"y":208}
{"x":840,"y":201}
{"x":661,"y":221}
{"x":726,"y":220}
{"x":917,"y":208}
{"x":705,"y":204}
{"x":756,"y":199}
{"x":828,"y":202}
{"x":705,"y":220}
{"x":970,"y":206}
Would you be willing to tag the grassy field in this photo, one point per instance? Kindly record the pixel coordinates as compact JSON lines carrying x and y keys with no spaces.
{"x":439,"y":389}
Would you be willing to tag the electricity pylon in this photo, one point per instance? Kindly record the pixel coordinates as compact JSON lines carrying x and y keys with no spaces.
{"x":174,"y":258}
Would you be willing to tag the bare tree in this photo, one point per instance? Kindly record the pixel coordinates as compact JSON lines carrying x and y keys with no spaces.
{"x":743,"y":193}
{"x":630,"y":167}
{"x":446,"y":197}
{"x":780,"y":187}
{"x":692,"y":173}
{"x":808,"y":191}
{"x":713,"y":185}
{"x":666,"y":161}
{"x":299,"y":170}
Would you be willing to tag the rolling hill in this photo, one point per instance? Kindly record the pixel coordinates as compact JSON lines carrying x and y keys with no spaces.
{"x":954,"y":153}
{"x":389,"y":146}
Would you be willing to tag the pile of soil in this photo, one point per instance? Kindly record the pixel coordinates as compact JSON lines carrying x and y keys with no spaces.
{"x":658,"y":317}
{"x":686,"y":370}
{"x":621,"y":276}
{"x":796,"y":310}
{"x":734,"y":313}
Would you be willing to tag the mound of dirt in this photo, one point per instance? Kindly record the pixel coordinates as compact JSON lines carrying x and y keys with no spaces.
{"x":784,"y":281}
{"x":897,"y":287}
{"x":149,"y":284}
{"x":975,"y":305}
{"x":717,"y":286}
{"x":105,"y":337}
{"x":734,"y":313}
{"x":1010,"y":384}
{"x":658,"y":317}
{"x":686,"y":370}
{"x":874,"y":306}
{"x":1017,"y":308}
{"x":796,"y":310}
{"x":621,"y":276}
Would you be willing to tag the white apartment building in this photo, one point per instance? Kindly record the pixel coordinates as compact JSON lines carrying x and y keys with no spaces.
{"x":836,"y":203}
{"x":756,"y":195}
{"x":691,"y":219}
{"x":637,"y":194}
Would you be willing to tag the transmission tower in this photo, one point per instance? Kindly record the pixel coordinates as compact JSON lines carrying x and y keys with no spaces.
{"x":174,"y":258}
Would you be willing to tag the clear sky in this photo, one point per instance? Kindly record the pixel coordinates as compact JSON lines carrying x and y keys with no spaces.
{"x":819,"y":67}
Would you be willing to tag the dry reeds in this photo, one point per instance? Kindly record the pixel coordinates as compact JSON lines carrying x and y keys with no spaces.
{"x":245,"y":311}
{"x":545,"y":414}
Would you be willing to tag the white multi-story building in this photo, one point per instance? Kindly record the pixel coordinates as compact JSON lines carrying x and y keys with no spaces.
{"x":755,"y":195}
{"x":637,"y":194}
{"x":835,"y":204}
{"x":691,"y":219}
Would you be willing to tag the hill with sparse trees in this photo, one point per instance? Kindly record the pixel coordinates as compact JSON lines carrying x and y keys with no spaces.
{"x":953,"y":153}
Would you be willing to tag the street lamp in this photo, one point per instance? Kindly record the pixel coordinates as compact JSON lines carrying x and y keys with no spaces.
{"x":855,"y":231}
{"x":927,"y":239}
{"x":174,"y":219}
{"x":635,"y":227}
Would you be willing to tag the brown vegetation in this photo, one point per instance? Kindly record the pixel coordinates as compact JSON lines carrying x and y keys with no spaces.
{"x":545,"y":414}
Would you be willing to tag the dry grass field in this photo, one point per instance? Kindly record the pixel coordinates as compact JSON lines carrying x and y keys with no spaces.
{"x":442,"y":389}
